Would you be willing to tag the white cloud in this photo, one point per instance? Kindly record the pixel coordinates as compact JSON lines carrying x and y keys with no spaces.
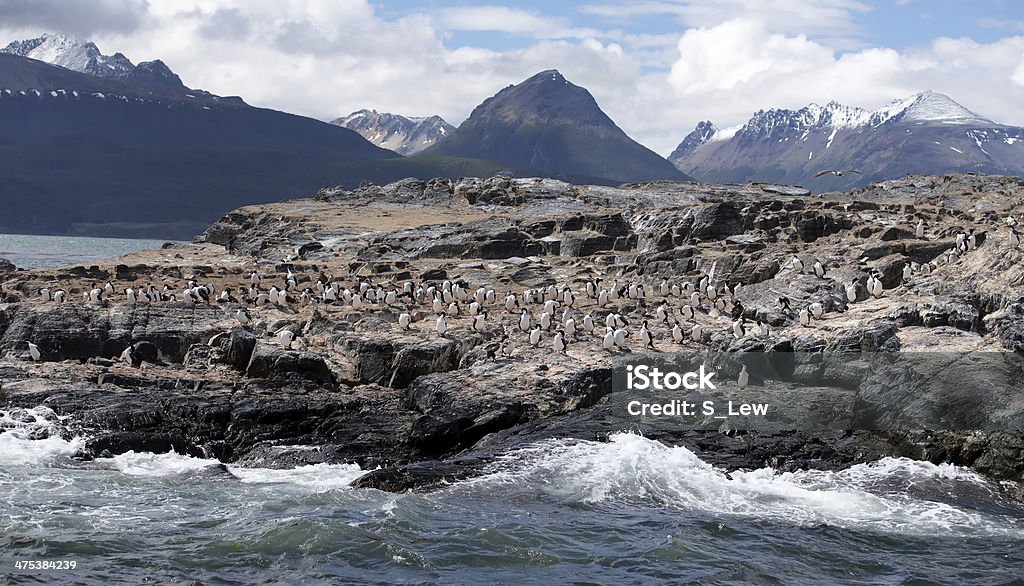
{"x":726,"y":72}
{"x":819,"y":18}
{"x":326,"y":58}
{"x":512,"y":21}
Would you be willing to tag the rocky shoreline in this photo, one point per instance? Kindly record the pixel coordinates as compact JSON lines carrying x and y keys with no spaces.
{"x":418,"y":408}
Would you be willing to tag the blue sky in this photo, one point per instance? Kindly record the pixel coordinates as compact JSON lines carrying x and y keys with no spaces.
{"x":898,"y":24}
{"x":657,"y":67}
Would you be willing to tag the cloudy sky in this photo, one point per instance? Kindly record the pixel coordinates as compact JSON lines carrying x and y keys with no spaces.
{"x":657,"y":67}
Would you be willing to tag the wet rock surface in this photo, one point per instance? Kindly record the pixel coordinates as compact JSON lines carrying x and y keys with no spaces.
{"x":351,"y":384}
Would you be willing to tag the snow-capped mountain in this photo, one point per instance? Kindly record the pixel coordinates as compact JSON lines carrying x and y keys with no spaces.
{"x":925,"y":133}
{"x":405,"y":135}
{"x":83,"y":56}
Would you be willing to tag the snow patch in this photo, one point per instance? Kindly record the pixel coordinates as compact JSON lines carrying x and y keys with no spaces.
{"x":831,"y":137}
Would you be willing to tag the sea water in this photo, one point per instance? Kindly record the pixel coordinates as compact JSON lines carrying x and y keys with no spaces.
{"x":628,"y":511}
{"x":36,"y":252}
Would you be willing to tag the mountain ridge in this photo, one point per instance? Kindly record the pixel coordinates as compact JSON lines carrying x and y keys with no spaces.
{"x":927,"y":133}
{"x":406,"y":135}
{"x":84,"y":56}
{"x":547,"y":123}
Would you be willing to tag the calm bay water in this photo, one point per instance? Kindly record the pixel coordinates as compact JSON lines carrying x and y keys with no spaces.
{"x":36,"y":252}
{"x":628,"y":511}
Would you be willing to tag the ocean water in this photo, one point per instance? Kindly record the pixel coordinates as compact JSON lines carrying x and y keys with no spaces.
{"x":37,"y":252}
{"x":629,"y":511}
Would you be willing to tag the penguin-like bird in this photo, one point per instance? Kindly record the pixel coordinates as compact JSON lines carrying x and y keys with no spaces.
{"x":646,"y":339}
{"x":743,"y":378}
{"x":559,"y":343}
{"x":34,"y":352}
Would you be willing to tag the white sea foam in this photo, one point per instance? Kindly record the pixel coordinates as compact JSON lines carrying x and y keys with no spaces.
{"x":630,"y":468}
{"x":32,"y":436}
{"x":316,"y":477}
{"x":150,"y":464}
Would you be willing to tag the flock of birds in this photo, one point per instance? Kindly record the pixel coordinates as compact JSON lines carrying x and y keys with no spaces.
{"x":597,"y":311}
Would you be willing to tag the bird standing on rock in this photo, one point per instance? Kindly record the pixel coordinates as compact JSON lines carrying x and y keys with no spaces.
{"x":609,"y":339}
{"x":646,"y":339}
{"x":34,"y":352}
{"x":559,"y":343}
{"x":535,"y":336}
{"x":697,"y":333}
{"x":851,"y":291}
{"x":243,"y":317}
{"x":285,"y":337}
{"x":525,"y":320}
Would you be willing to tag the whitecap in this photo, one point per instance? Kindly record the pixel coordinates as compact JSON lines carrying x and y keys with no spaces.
{"x":316,"y":477}
{"x":150,"y":464}
{"x":630,"y":470}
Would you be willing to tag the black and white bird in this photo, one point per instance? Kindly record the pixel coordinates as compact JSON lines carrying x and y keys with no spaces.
{"x":743,"y":378}
{"x":525,"y":321}
{"x":739,"y":328}
{"x":404,"y":321}
{"x":817,"y":310}
{"x":285,"y":337}
{"x":478,"y":322}
{"x":609,"y":339}
{"x":646,"y":339}
{"x":588,"y":324}
{"x":559,"y":343}
{"x":783,"y":303}
{"x":34,"y":352}
{"x":243,"y":317}
{"x":836,"y":172}
{"x":535,"y":336}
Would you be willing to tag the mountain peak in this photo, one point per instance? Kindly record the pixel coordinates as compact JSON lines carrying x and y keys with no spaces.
{"x":67,"y":51}
{"x":83,"y":56}
{"x":405,"y":135}
{"x":544,"y":98}
{"x":931,"y":105}
{"x":549,"y":124}
{"x":702,"y":134}
{"x":546,"y":76}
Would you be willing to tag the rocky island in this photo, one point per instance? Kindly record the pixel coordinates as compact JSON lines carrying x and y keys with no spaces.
{"x":307,"y":331}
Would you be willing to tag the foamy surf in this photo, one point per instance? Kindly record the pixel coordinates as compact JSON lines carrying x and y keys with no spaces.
{"x":631,"y":469}
{"x":33,"y":436}
{"x":167,"y":464}
{"x":314,"y":477}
